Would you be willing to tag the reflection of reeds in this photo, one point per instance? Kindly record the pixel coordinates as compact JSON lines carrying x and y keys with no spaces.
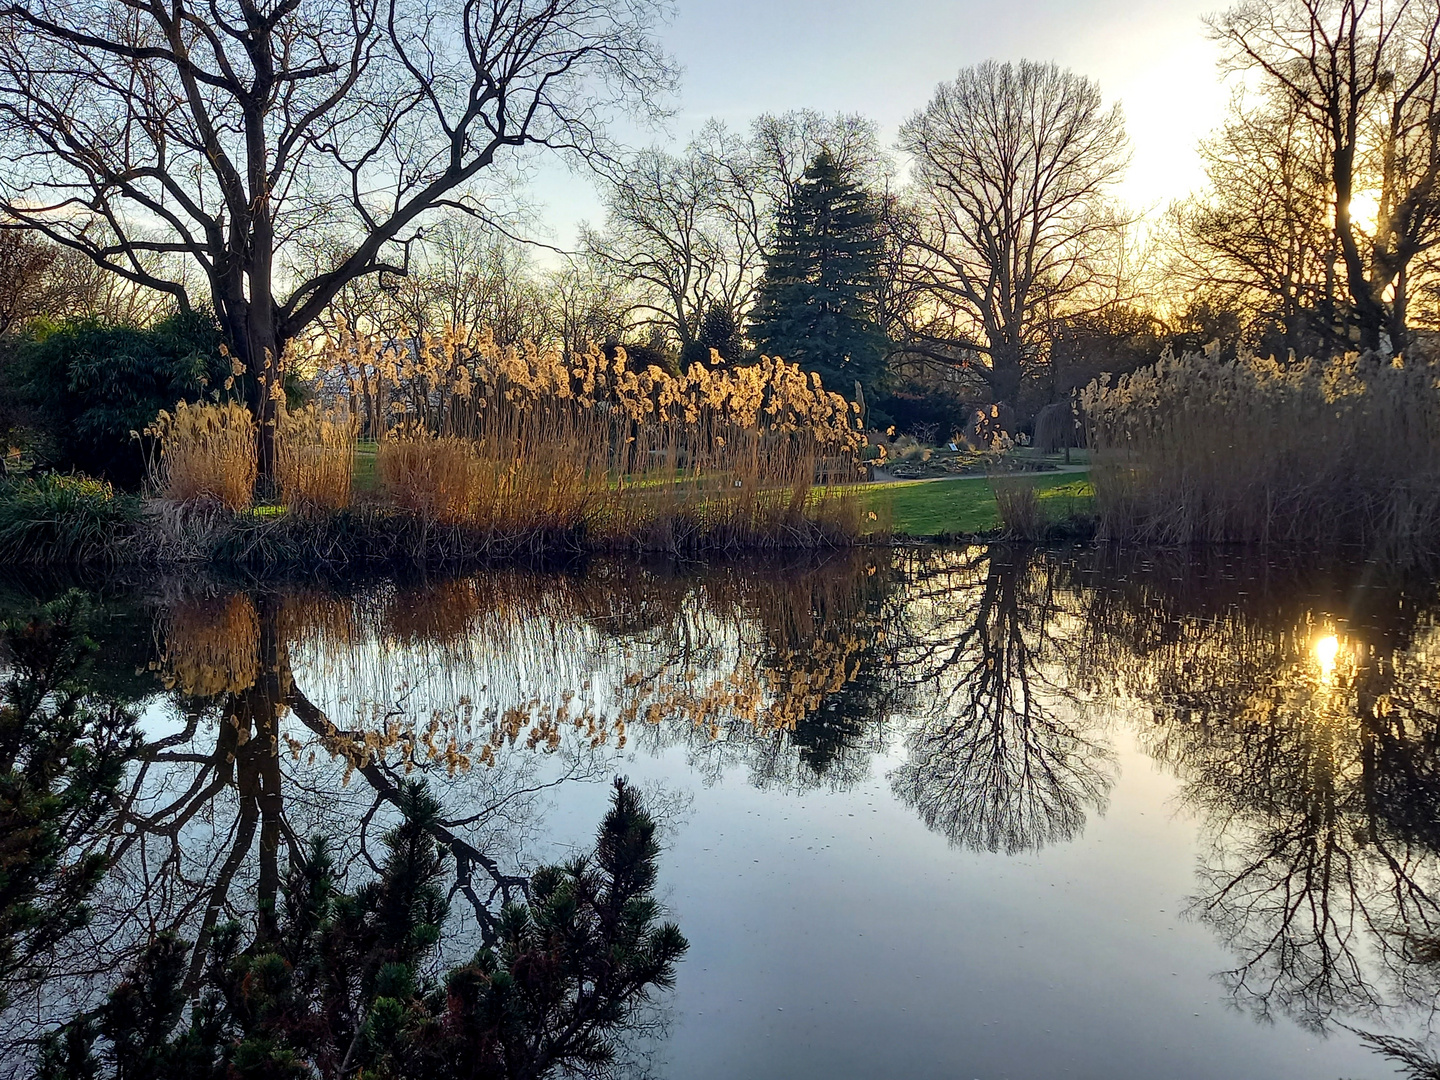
{"x":212,"y":645}
{"x":454,"y":671}
{"x":1192,"y":449}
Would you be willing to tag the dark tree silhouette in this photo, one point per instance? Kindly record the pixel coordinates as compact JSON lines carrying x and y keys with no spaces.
{"x":334,"y":984}
{"x":62,"y":752}
{"x":166,"y":139}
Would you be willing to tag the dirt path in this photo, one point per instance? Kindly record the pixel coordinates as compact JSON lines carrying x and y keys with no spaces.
{"x":883,"y":477}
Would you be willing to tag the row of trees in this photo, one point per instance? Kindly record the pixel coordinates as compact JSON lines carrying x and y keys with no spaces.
{"x":1004,"y":259}
{"x":280,"y":163}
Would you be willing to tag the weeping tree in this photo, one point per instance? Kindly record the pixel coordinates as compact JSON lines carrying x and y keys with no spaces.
{"x":189,"y":145}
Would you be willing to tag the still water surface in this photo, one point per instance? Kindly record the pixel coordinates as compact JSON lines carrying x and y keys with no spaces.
{"x":985,"y":812}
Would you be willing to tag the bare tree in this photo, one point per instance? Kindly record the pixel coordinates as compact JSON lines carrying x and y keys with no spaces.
{"x":666,"y":234}
{"x":783,"y":145}
{"x":224,"y":130}
{"x":471,"y":276}
{"x":1010,"y":220}
{"x":585,"y":304}
{"x":1366,"y":75}
{"x":1260,"y":236}
{"x":690,"y":231}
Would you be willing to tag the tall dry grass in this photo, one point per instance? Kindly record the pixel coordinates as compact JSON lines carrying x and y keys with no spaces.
{"x":205,"y":453}
{"x":1339,"y":450}
{"x":1019,"y":507}
{"x":523,"y":441}
{"x":315,"y":457}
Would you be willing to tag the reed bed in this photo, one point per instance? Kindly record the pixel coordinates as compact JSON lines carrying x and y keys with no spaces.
{"x":315,"y":458}
{"x":1345,"y":450}
{"x":205,"y":453}
{"x":511,"y":442}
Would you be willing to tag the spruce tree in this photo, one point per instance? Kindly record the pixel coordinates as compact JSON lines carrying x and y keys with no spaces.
{"x":816,"y":304}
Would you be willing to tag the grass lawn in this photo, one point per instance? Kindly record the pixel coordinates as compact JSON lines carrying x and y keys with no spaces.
{"x":967,"y":505}
{"x":917,"y":508}
{"x":363,"y":477}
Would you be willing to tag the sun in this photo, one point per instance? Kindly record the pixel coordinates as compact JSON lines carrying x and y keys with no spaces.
{"x":1365,"y":210}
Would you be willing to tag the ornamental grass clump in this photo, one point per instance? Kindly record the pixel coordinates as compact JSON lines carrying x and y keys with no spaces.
{"x":1343,"y":450}
{"x":57,"y":518}
{"x":1019,"y":508}
{"x":205,"y":453}
{"x":315,"y":458}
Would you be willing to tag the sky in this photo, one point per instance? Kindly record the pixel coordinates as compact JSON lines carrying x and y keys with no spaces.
{"x":884,"y":59}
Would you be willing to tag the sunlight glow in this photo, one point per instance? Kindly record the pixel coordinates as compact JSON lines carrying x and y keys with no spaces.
{"x":1365,"y":210}
{"x":1326,"y":650}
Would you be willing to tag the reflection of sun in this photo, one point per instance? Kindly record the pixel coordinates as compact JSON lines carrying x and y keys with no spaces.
{"x":1326,"y":649}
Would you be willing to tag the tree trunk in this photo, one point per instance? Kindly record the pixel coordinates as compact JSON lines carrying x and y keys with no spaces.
{"x":1005,"y":375}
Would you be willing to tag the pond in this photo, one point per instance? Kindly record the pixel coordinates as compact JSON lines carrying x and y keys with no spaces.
{"x":978,"y":812}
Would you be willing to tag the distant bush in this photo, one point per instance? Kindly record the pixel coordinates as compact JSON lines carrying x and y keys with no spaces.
{"x":84,"y":386}
{"x":55,"y":519}
{"x":926,"y":412}
{"x":1342,"y":450}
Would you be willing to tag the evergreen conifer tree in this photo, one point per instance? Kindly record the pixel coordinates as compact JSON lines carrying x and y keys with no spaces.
{"x":816,"y":304}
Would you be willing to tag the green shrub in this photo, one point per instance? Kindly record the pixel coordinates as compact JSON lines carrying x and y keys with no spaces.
{"x":86,"y":386}
{"x":63,"y":519}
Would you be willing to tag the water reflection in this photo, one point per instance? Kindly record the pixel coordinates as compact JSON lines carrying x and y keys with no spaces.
{"x":1001,"y":759}
{"x":1298,"y":705}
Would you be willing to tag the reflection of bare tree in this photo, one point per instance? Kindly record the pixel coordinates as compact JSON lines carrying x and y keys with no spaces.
{"x":1301,"y":711}
{"x":996,"y":761}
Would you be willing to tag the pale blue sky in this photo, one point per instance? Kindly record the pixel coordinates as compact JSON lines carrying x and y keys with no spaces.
{"x":744,"y":57}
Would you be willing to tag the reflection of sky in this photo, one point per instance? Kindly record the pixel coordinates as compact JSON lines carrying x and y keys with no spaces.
{"x":833,"y":935}
{"x":745,"y":57}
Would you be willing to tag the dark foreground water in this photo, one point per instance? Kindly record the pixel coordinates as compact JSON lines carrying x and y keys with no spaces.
{"x":989,"y":813}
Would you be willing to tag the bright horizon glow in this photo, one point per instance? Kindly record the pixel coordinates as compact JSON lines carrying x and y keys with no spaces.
{"x":747,"y":57}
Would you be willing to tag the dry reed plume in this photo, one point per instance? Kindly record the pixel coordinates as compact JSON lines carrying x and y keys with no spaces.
{"x":315,"y":458}
{"x":205,"y":453}
{"x":1344,"y":450}
{"x":507,"y":441}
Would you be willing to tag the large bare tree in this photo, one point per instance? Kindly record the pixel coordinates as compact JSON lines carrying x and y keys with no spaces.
{"x":674,"y":236}
{"x":1258,"y":239}
{"x":1365,"y":74}
{"x":222,"y":131}
{"x":1009,"y":216}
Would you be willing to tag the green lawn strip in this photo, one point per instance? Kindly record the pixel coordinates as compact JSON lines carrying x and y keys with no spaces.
{"x":362,"y":477}
{"x":967,"y":505}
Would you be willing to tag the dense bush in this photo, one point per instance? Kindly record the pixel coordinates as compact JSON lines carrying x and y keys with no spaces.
{"x":57,"y":519}
{"x":85,"y":386}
